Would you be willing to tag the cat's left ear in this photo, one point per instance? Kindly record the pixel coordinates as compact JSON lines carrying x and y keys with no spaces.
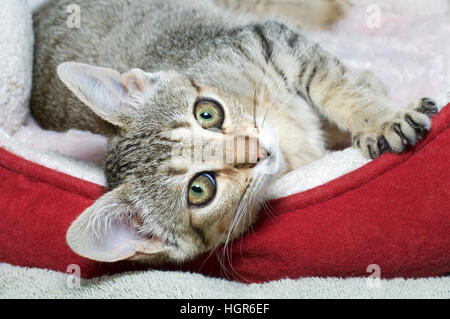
{"x":111,"y":95}
{"x":108,"y":231}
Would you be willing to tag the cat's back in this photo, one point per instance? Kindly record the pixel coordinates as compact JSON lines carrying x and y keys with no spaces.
{"x":109,"y":33}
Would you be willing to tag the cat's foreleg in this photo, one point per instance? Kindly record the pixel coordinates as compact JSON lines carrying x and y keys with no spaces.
{"x":348,"y":98}
{"x":352,"y":101}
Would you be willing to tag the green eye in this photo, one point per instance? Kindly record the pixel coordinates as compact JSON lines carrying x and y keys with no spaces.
{"x":209,"y":114}
{"x":201,"y":190}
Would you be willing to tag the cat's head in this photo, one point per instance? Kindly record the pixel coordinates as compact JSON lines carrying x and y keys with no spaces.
{"x":186,"y":171}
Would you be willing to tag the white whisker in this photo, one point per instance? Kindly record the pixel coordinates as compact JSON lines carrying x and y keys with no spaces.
{"x":281,"y":107}
{"x":269,"y":64}
{"x":272,"y":99}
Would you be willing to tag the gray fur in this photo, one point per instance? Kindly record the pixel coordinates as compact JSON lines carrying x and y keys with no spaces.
{"x":246,"y":61}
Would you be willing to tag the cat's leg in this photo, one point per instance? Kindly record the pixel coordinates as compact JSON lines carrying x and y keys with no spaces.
{"x":374,"y":82}
{"x":344,"y":96}
{"x":311,"y":14}
{"x":355,"y":103}
{"x":337,"y":139}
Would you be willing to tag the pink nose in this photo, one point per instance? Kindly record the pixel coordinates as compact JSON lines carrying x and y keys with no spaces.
{"x":263,"y":153}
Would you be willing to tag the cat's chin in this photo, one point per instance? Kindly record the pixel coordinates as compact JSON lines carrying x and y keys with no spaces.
{"x":274,"y":167}
{"x":274,"y":164}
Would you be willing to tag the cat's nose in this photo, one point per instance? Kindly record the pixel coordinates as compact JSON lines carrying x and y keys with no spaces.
{"x":248,"y":152}
{"x":263,"y":153}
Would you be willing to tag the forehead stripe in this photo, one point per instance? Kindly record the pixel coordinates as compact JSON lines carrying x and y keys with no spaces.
{"x":196,"y":86}
{"x":176,"y":171}
{"x":180,"y":125}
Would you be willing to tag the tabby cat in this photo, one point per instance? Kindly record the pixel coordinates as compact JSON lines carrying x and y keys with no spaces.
{"x":156,"y":75}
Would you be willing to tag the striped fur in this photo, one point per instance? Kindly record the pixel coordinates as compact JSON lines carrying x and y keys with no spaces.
{"x":275,"y":85}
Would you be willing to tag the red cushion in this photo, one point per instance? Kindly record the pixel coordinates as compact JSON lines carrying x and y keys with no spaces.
{"x":393,"y":212}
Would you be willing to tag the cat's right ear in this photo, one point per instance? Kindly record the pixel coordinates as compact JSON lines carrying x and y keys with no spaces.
{"x":108,"y":231}
{"x":111,"y":95}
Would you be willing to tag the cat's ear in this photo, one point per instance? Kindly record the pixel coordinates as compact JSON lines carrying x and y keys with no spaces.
{"x":108,"y":231}
{"x":111,"y":95}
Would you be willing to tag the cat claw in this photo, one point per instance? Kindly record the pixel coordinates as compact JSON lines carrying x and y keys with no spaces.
{"x":404,"y":130}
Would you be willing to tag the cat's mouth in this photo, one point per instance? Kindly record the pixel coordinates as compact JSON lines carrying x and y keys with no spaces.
{"x":272,"y":162}
{"x":269,"y":167}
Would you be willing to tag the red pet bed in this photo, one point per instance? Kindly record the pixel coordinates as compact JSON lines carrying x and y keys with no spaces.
{"x":393,"y":212}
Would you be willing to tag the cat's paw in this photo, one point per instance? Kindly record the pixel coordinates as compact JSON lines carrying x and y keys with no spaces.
{"x":426,"y":106}
{"x":398,"y":133}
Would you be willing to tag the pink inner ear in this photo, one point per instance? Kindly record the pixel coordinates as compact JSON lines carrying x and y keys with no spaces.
{"x":122,"y":241}
{"x":136,"y":80}
{"x":131,"y":82}
{"x":106,"y":232}
{"x":149,"y":246}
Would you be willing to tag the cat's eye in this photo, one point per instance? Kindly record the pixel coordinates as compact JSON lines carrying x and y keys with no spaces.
{"x":209,"y":113}
{"x":202,"y":189}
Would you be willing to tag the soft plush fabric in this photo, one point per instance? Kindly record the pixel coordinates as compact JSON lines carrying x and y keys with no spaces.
{"x":52,"y":159}
{"x":17,"y":282}
{"x":393,"y":212}
{"x":16,"y":60}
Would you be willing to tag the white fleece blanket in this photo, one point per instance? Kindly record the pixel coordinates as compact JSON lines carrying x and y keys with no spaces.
{"x":38,"y":283}
{"x":408,"y":50}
